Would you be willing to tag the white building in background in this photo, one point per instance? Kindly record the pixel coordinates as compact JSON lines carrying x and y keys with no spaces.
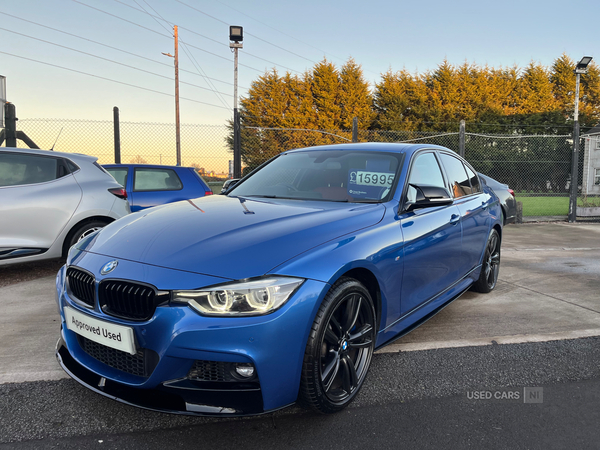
{"x":590,"y":184}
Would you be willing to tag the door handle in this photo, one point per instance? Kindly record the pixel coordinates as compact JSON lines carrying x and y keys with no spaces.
{"x":454,"y":218}
{"x":484,"y":205}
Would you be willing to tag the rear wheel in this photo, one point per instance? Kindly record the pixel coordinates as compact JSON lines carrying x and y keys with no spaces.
{"x":81,"y":232}
{"x":339,"y":349}
{"x":491,"y":265}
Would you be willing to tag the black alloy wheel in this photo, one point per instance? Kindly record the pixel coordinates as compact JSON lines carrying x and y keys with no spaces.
{"x":339,"y":349}
{"x":490,"y":267}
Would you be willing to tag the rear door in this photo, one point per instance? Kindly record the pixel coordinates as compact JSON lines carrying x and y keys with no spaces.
{"x":432,"y":237}
{"x":38,"y":197}
{"x":154,"y":186}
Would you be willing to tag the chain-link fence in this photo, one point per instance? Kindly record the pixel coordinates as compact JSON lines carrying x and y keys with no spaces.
{"x":536,"y":167}
{"x":202,"y":146}
{"x":589,"y":175}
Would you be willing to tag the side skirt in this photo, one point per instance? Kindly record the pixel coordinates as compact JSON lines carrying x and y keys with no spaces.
{"x":422,"y":313}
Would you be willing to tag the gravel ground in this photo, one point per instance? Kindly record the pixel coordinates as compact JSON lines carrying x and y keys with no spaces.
{"x":62,"y":409}
{"x":28,"y":271}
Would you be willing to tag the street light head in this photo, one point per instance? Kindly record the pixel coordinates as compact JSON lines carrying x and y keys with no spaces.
{"x":582,"y":66}
{"x":236,"y":33}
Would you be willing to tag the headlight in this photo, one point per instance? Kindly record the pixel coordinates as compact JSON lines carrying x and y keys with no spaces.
{"x":249,"y":298}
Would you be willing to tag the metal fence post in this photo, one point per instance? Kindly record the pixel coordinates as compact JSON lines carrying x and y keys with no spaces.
{"x":461,"y":139}
{"x":574,"y":175}
{"x":237,"y":141}
{"x":117,"y":133}
{"x":355,"y":129}
{"x":10,"y":120}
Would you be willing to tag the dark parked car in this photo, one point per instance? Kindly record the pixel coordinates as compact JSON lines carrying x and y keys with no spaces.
{"x":281,"y":289}
{"x":150,"y":185}
{"x":506,"y":196}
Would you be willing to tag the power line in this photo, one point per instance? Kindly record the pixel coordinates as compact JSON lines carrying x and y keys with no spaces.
{"x":161,"y":34}
{"x":249,"y":34}
{"x":109,"y":79}
{"x":279,"y":31}
{"x":170,"y":23}
{"x":194,"y":62}
{"x":286,"y":34}
{"x":125,"y":20}
{"x":156,"y":20}
{"x":201,"y":35}
{"x":199,"y":68}
{"x":110,"y":46}
{"x":105,"y":59}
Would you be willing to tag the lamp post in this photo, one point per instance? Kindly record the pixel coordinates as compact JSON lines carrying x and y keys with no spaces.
{"x":236,"y":36}
{"x":581,"y":68}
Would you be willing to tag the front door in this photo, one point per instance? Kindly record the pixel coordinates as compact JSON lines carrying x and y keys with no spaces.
{"x":432,"y":240}
{"x":38,"y":197}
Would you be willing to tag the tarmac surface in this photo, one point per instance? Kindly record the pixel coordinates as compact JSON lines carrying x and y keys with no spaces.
{"x":540,"y":328}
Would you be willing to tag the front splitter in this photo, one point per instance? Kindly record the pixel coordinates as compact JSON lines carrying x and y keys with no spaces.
{"x":196,"y":402}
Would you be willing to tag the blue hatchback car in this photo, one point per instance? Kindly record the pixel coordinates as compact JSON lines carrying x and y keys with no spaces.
{"x":150,"y":185}
{"x":280,"y":290}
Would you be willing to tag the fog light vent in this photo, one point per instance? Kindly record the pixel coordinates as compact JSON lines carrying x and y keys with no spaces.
{"x":210,"y":371}
{"x":219,"y":371}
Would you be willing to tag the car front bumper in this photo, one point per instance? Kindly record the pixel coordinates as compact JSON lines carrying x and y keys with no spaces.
{"x":176,"y":339}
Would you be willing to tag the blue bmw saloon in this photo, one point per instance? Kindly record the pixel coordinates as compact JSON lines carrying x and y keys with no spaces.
{"x":280,"y":290}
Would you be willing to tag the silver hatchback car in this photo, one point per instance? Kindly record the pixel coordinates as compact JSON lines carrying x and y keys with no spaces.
{"x":50,"y":200}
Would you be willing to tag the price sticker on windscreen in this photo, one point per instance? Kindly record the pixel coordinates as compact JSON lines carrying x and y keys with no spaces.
{"x":368,"y":184}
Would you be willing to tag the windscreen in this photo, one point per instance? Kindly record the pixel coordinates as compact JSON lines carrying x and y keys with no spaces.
{"x":343,"y":176}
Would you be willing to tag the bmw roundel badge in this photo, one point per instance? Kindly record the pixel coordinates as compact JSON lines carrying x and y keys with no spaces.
{"x":109,"y":267}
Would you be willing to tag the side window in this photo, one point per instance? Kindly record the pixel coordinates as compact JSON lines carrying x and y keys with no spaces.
{"x":426,"y":171}
{"x":18,"y":169}
{"x":63,"y":168}
{"x":475,"y":187}
{"x":457,"y":175}
{"x":156,"y":180}
{"x":119,"y":174}
{"x":72,"y":166}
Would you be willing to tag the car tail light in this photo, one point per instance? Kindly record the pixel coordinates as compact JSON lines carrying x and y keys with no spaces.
{"x":208,"y":193}
{"x":511,"y":192}
{"x":119,"y":192}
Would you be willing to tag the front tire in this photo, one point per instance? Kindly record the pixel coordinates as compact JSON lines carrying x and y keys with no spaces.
{"x":490,"y":267}
{"x":339,"y":349}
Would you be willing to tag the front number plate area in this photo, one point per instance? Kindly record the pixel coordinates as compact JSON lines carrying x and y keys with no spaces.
{"x":112,"y":335}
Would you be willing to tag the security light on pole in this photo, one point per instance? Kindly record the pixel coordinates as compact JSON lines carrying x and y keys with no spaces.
{"x":581,"y":68}
{"x":236,"y":36}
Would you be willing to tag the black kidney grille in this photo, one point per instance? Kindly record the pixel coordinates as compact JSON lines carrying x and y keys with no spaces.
{"x":211,"y":371}
{"x":133,"y":364}
{"x":81,"y":285}
{"x":127,"y":300}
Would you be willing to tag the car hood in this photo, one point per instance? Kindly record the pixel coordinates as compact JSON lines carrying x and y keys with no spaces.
{"x":230,"y":237}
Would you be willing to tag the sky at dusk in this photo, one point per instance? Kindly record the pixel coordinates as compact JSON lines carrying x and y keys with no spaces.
{"x":104,"y":53}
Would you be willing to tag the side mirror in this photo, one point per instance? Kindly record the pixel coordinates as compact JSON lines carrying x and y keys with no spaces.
{"x":228,"y":185}
{"x":428,"y":196}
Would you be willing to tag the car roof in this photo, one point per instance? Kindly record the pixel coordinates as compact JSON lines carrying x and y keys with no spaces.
{"x":33,"y":151}
{"x":151,"y":166}
{"x":372,"y":146}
